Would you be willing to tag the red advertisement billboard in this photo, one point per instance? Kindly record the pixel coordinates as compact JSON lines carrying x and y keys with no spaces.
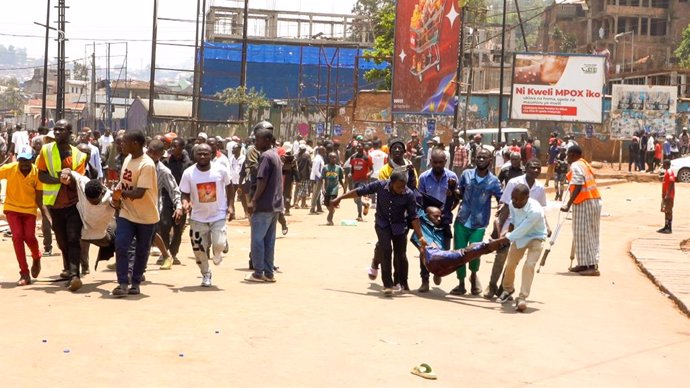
{"x":426,"y":56}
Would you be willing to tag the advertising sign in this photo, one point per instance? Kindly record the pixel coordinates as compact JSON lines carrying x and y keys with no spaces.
{"x":642,"y":108}
{"x":426,"y":56}
{"x":558,"y":87}
{"x":337,"y":130}
{"x":431,"y":127}
{"x":319,"y":129}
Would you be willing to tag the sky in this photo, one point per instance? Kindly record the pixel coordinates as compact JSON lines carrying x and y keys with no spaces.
{"x":125,"y":20}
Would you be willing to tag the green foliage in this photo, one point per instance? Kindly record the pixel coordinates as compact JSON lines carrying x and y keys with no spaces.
{"x":12,"y":99}
{"x":683,"y":50}
{"x":567,"y":42}
{"x":80,"y":72}
{"x":384,"y":45}
{"x":251,"y":98}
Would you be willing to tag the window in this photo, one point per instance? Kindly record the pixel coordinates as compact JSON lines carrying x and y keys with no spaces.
{"x":657,"y":27}
{"x":660,"y":3}
{"x":645,"y":26}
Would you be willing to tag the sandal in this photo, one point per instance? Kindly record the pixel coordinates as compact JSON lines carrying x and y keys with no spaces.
{"x":424,"y":370}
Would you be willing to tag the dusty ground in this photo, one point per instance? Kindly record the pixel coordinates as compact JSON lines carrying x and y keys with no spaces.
{"x":325,"y":324}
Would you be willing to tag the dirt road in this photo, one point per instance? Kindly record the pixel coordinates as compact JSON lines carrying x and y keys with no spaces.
{"x":325,"y":324}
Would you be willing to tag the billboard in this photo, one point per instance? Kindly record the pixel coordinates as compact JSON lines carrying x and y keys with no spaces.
{"x":558,"y":87}
{"x":642,"y":108}
{"x":425,"y":60}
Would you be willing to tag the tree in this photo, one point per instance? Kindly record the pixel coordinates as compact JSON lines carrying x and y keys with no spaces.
{"x":251,"y":98}
{"x":567,"y":42}
{"x":81,"y":72}
{"x":683,"y":50}
{"x":384,"y":44}
{"x":12,"y":99}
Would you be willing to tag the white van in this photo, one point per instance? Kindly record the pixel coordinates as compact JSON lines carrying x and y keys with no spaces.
{"x":491,"y":134}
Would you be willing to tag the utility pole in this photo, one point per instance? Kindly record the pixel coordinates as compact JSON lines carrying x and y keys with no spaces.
{"x":458,"y":74}
{"x":243,"y":69}
{"x":108,"y":91}
{"x":45,"y":69}
{"x":470,"y":80}
{"x":503,"y":64}
{"x":92,"y":105}
{"x":60,"y":103}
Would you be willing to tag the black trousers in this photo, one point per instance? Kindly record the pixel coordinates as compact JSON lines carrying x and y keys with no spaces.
{"x":170,"y":232}
{"x":393,"y":254}
{"x":67,"y":228}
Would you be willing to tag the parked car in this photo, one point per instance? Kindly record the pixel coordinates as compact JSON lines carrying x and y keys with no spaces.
{"x":681,"y":167}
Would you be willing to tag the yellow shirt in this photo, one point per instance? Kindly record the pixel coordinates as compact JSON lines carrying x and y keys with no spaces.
{"x":21,"y":190}
{"x":140,"y":173}
{"x":387,"y":170}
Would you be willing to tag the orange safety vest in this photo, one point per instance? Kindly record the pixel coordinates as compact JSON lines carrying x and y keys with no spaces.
{"x":589,"y":189}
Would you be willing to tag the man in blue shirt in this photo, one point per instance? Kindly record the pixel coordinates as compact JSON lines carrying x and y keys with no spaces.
{"x":396,"y":208}
{"x":435,"y":183}
{"x":476,"y":187}
{"x":527,"y":233}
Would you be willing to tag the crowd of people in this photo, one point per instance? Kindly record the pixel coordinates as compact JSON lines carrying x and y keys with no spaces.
{"x":125,"y":193}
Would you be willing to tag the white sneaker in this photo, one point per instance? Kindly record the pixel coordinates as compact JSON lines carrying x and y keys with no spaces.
{"x":206,"y":280}
{"x":521,"y":305}
{"x":155,"y":252}
{"x":217,"y":260}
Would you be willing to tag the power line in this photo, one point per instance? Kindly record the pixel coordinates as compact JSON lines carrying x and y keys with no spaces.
{"x":96,"y":39}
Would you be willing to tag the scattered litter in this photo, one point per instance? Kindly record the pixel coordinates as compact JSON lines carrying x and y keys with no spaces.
{"x":44,"y":341}
{"x":217,"y":331}
{"x":388,"y":342}
{"x":181,"y":354}
{"x":348,"y":223}
{"x":425,"y":371}
{"x":66,"y":351}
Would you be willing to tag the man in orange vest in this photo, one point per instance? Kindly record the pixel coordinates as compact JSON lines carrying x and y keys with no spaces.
{"x":586,"y":203}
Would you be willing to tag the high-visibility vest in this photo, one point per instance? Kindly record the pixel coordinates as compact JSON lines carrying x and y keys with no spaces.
{"x":589,"y":189}
{"x":51,"y":156}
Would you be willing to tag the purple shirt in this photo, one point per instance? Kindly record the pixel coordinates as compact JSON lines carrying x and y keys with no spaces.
{"x":270,"y":169}
{"x":394,"y":211}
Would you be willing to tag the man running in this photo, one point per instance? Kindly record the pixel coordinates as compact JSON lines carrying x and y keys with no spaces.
{"x":206,"y":190}
{"x":359,"y":169}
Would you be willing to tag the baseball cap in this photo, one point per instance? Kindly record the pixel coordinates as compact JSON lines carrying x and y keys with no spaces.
{"x":25,"y":152}
{"x":51,"y":135}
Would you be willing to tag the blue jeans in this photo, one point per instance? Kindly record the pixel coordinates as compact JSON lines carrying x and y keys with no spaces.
{"x":126,"y":232}
{"x":263,"y":237}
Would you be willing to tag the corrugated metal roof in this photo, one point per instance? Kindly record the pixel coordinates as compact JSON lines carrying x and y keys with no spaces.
{"x":172,"y":108}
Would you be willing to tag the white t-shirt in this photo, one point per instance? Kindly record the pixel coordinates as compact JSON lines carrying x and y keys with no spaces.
{"x":206,"y":190}
{"x":20,"y":139}
{"x":223,"y":161}
{"x":536,"y":192}
{"x":95,"y":218}
{"x":104,"y":142}
{"x":316,"y":167}
{"x":236,"y":168}
{"x":378,"y":160}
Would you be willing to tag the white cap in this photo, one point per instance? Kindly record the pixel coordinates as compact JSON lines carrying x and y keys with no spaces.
{"x":51,"y":135}
{"x":436,"y":139}
{"x":203,"y":135}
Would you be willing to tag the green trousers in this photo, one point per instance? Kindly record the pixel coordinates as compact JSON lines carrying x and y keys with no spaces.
{"x":462,"y":237}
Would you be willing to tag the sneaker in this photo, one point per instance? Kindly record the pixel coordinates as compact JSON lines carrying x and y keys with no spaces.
{"x":490,"y":292}
{"x":160,"y":260}
{"x":47,"y":253}
{"x":664,"y":230}
{"x":176,"y":261}
{"x":521,"y":305}
{"x":120,"y":291}
{"x":155,"y":251}
{"x":75,"y":283}
{"x":217,"y":260}
{"x":285,"y":230}
{"x":134,"y":290}
{"x":388,"y":292}
{"x":36,"y":268}
{"x":373,"y":273}
{"x":424,"y":287}
{"x":167,"y":264}
{"x":505,"y":297}
{"x":475,"y":285}
{"x":399,"y":289}
{"x":437,"y":280}
{"x":360,"y":219}
{"x":253,"y":278}
{"x":206,"y":280}
{"x":459,"y":290}
{"x":578,"y":268}
{"x":269,"y":279}
{"x":591,"y":270}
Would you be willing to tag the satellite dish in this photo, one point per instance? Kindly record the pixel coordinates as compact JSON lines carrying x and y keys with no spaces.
{"x":602,"y":32}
